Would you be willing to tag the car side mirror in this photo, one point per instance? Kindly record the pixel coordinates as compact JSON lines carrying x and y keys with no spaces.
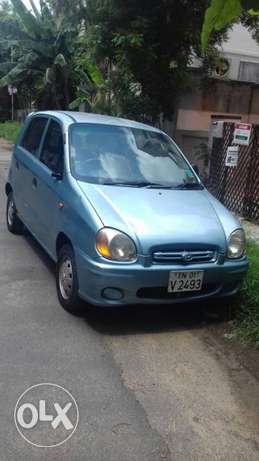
{"x":196,"y":169}
{"x":57,"y":175}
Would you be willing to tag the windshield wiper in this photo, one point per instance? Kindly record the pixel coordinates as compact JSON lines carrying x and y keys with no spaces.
{"x":151,"y":185}
{"x":143,"y":184}
{"x":190,"y":186}
{"x":123,"y":184}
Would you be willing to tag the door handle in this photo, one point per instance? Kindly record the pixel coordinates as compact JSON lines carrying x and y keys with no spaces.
{"x":34,"y":183}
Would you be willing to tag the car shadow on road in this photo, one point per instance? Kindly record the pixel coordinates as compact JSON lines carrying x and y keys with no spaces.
{"x":156,"y":319}
{"x":35,"y":246}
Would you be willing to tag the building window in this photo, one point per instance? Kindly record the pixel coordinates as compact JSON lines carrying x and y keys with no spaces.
{"x":249,"y":72}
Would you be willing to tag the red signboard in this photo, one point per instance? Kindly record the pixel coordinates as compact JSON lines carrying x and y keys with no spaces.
{"x":242,"y":133}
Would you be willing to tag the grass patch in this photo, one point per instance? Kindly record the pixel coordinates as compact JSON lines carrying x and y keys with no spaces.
{"x":247,"y":322}
{"x":9,"y":131}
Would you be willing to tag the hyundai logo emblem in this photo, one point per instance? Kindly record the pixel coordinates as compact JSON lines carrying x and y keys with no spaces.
{"x":187,"y":257}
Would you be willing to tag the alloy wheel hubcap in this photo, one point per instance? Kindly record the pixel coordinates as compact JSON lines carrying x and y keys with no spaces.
{"x":66,"y":278}
{"x":10,"y":213}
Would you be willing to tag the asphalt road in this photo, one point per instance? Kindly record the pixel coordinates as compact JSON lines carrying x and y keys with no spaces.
{"x":150,"y":384}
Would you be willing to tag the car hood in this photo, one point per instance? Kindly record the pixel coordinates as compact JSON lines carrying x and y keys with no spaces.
{"x":159,"y":218}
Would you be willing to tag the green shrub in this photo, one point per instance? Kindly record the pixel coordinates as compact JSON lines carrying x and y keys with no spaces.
{"x":9,"y":131}
{"x":247,"y":323}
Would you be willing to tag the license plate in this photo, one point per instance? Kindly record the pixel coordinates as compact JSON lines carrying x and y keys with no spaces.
{"x":182,"y":281}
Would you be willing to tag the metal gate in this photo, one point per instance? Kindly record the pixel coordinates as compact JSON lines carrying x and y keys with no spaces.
{"x":236,"y":187}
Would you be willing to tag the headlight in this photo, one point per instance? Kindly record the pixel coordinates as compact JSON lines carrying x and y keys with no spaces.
{"x":236,"y":244}
{"x":116,"y":246}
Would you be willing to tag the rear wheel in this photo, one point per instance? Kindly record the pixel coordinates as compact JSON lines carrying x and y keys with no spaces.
{"x":14,"y":224}
{"x":67,"y":281}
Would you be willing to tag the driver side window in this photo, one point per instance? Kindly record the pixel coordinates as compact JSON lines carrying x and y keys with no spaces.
{"x":52,"y":154}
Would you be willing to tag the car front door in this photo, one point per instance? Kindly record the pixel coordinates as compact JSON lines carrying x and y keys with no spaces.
{"x":49,"y":186}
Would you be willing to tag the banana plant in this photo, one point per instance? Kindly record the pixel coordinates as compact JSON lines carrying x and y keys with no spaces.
{"x":43,"y":53}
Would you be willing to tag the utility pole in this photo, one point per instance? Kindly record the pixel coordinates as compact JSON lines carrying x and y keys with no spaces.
{"x":12,"y":106}
{"x":12,"y":90}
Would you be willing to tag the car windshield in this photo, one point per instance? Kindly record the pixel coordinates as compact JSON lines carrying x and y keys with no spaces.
{"x":115,"y":155}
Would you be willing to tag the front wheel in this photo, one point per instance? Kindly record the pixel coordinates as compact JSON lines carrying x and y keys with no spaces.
{"x":67,"y":282}
{"x":14,"y":224}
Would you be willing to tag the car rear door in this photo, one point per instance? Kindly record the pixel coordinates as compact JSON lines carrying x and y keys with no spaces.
{"x":25,"y":155}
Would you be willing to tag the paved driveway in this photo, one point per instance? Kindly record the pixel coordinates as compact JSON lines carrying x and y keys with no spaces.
{"x":151,"y":384}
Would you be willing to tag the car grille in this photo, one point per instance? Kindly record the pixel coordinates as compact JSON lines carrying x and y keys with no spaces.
{"x":162,"y":292}
{"x":185,"y":257}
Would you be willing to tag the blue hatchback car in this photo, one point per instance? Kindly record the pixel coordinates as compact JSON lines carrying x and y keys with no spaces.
{"x":122,"y":213}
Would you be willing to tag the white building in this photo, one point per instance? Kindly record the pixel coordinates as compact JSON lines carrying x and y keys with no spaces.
{"x":242,"y":52}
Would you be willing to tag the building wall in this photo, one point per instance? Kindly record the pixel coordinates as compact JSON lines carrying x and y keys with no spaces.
{"x":197,"y":108}
{"x":217,"y":100}
{"x":220,"y":98}
{"x":240,"y":42}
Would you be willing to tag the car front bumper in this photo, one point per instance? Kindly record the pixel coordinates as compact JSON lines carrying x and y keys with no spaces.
{"x":104,"y":283}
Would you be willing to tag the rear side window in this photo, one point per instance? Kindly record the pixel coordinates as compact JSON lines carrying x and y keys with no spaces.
{"x":32,"y":138}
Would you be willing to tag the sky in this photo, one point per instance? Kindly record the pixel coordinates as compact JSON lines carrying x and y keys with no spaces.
{"x":27,"y":3}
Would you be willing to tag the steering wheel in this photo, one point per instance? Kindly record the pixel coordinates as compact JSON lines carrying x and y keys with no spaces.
{"x":87,"y":165}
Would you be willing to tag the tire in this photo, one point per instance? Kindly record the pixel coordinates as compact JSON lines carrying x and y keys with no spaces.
{"x":14,"y":224}
{"x":67,"y":281}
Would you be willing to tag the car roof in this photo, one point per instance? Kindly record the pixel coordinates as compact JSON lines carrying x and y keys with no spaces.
{"x":70,"y":117}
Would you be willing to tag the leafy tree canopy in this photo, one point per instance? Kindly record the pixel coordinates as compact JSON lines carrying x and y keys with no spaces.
{"x":41,"y":50}
{"x":128,"y":58}
{"x":150,"y":46}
